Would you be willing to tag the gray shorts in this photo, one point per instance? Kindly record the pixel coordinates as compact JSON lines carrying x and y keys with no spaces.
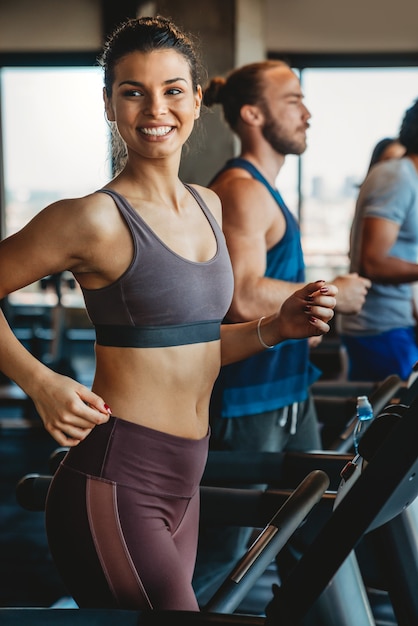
{"x":293,"y":427}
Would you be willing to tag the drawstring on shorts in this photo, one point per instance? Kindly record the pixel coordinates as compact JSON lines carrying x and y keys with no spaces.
{"x":291,"y":412}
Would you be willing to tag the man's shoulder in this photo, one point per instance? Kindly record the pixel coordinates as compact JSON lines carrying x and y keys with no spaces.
{"x":238,"y":187}
{"x":389,"y":191}
{"x":231,"y":174}
{"x":393,"y":170}
{"x":388,"y":177}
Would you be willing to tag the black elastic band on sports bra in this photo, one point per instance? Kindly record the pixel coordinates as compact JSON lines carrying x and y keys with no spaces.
{"x":157,"y":336}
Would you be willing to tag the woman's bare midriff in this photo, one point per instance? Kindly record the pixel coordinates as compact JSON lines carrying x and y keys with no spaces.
{"x":167,"y":389}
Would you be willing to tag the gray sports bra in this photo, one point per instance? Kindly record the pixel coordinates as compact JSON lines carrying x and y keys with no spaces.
{"x":162,"y":299}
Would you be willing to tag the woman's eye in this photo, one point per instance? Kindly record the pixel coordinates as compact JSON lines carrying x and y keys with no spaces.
{"x":174,"y":91}
{"x":132,"y":93}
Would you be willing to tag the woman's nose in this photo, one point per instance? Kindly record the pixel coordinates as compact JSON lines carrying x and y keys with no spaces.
{"x":155,"y":105}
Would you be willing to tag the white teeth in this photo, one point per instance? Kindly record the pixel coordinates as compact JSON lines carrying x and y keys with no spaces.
{"x":160,"y":130}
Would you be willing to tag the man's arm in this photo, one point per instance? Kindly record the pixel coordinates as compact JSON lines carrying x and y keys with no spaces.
{"x":251,"y":223}
{"x":379,"y":235}
{"x":352,"y":292}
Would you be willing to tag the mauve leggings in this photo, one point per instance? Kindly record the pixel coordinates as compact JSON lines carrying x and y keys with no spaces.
{"x":122,"y":517}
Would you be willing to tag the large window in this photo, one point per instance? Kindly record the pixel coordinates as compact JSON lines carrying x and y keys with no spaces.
{"x":56,"y":144}
{"x":351,"y":110}
{"x":55,"y":138}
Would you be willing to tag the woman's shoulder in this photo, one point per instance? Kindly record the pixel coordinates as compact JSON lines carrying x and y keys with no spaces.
{"x":90,"y":202}
{"x":88,"y":217}
{"x":206,"y":193}
{"x":210,"y":198}
{"x":89,"y":207}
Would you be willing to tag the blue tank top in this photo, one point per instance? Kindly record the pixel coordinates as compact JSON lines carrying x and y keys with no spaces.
{"x":280,"y":376}
{"x":162,"y":299}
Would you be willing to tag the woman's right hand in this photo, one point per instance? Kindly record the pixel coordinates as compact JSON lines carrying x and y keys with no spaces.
{"x":68,"y":409}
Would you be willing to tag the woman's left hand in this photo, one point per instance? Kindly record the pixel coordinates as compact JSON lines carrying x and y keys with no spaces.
{"x":307,"y":311}
{"x":304,"y":314}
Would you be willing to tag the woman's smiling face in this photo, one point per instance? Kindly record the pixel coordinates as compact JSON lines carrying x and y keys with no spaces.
{"x":153,"y":101}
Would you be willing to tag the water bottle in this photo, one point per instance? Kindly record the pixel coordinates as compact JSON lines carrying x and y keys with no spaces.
{"x":364,"y":416}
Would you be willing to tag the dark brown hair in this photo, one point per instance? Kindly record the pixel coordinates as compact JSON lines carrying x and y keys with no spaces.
{"x":241,"y":86}
{"x":408,"y":135}
{"x":146,"y":34}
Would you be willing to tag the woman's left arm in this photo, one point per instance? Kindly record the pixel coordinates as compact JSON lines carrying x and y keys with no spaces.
{"x":305,"y":313}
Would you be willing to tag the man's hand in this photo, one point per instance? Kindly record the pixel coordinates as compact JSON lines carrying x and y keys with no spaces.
{"x":352,"y":292}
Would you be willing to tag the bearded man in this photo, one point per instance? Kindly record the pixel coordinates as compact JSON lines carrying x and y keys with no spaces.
{"x":264,"y":402}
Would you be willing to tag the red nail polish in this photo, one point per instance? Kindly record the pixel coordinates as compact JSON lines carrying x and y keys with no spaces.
{"x":108,"y":409}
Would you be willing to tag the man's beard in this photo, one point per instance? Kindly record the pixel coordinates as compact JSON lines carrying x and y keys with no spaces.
{"x":274,"y":133}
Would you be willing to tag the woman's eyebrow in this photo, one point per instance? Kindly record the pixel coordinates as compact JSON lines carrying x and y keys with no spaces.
{"x":136,"y":83}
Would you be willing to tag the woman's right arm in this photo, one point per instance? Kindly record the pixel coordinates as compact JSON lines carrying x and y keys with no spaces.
{"x":68,"y":409}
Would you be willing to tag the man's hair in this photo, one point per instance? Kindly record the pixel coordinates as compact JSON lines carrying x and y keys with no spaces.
{"x":244,"y":85}
{"x":408,"y":135}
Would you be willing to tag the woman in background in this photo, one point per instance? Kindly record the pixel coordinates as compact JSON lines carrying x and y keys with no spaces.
{"x":385,"y":149}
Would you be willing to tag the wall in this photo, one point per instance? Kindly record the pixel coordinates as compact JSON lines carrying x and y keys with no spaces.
{"x":50,"y":25}
{"x":337,"y":26}
{"x":290,"y":25}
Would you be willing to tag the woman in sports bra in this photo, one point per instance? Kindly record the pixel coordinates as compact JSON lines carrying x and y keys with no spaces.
{"x":150,"y":257}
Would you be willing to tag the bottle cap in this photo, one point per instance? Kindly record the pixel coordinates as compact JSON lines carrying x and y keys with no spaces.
{"x":363,"y":405}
